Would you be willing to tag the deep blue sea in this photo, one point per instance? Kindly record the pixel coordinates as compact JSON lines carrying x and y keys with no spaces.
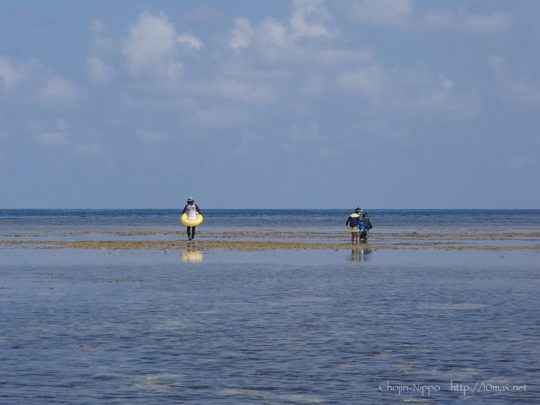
{"x":354,"y":326}
{"x":293,"y":218}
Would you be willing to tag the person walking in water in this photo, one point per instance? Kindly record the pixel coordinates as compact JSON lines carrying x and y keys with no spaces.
{"x":353,"y":223}
{"x":364,"y":219}
{"x":191,"y":209}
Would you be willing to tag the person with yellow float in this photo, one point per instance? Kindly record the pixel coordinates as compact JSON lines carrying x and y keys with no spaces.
{"x":191,"y":217}
{"x":353,"y":224}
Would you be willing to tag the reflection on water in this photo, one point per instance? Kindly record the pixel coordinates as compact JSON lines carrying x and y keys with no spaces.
{"x":359,"y":254}
{"x":299,"y":332}
{"x":192,"y":256}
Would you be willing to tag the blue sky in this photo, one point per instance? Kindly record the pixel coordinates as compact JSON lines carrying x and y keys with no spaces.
{"x":288,"y":104}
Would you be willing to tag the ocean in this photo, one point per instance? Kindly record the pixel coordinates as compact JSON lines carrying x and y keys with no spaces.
{"x":204,"y":323}
{"x":280,"y":218}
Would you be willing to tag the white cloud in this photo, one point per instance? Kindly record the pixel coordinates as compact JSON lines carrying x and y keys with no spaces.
{"x":57,"y":89}
{"x":150,"y":46}
{"x":272,"y":33}
{"x":11,"y":75}
{"x":270,"y":49}
{"x":273,"y":57}
{"x":401,"y":14}
{"x":309,"y":18}
{"x":241,"y":35}
{"x":395,"y":13}
{"x":97,"y":69}
{"x":423,"y":90}
{"x":189,"y":40}
{"x":273,"y":60}
{"x":101,"y":43}
{"x":370,"y":81}
{"x":481,"y":24}
{"x":413,"y":90}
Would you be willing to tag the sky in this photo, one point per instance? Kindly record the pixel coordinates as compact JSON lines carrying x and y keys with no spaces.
{"x":270,"y":104}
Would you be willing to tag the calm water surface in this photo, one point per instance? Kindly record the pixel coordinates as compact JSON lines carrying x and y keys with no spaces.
{"x":273,"y":327}
{"x":272,"y":219}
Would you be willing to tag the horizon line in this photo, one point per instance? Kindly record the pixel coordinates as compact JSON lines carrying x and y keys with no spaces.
{"x":281,"y":209}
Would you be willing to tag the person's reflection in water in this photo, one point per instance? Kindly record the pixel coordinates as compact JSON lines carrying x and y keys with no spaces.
{"x":359,"y":254}
{"x":192,"y":256}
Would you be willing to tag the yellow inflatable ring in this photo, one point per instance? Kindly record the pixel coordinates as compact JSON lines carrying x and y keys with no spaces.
{"x":191,"y":222}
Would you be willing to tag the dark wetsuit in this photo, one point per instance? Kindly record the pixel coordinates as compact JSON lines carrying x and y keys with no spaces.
{"x":367,"y":226}
{"x":191,"y":229}
{"x":353,"y":222}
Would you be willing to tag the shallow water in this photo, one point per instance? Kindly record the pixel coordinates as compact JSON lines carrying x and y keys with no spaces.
{"x":268,"y":327}
{"x":501,"y":230}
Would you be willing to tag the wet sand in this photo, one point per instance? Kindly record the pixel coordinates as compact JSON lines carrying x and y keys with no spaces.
{"x":270,"y":240}
{"x":472,"y":235}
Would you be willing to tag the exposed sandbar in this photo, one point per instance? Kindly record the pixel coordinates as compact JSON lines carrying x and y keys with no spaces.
{"x":256,"y":234}
{"x":251,"y":245}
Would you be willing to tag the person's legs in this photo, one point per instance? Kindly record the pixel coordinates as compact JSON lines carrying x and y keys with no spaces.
{"x":364,"y":235}
{"x":188,"y":230}
{"x":192,"y":232}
